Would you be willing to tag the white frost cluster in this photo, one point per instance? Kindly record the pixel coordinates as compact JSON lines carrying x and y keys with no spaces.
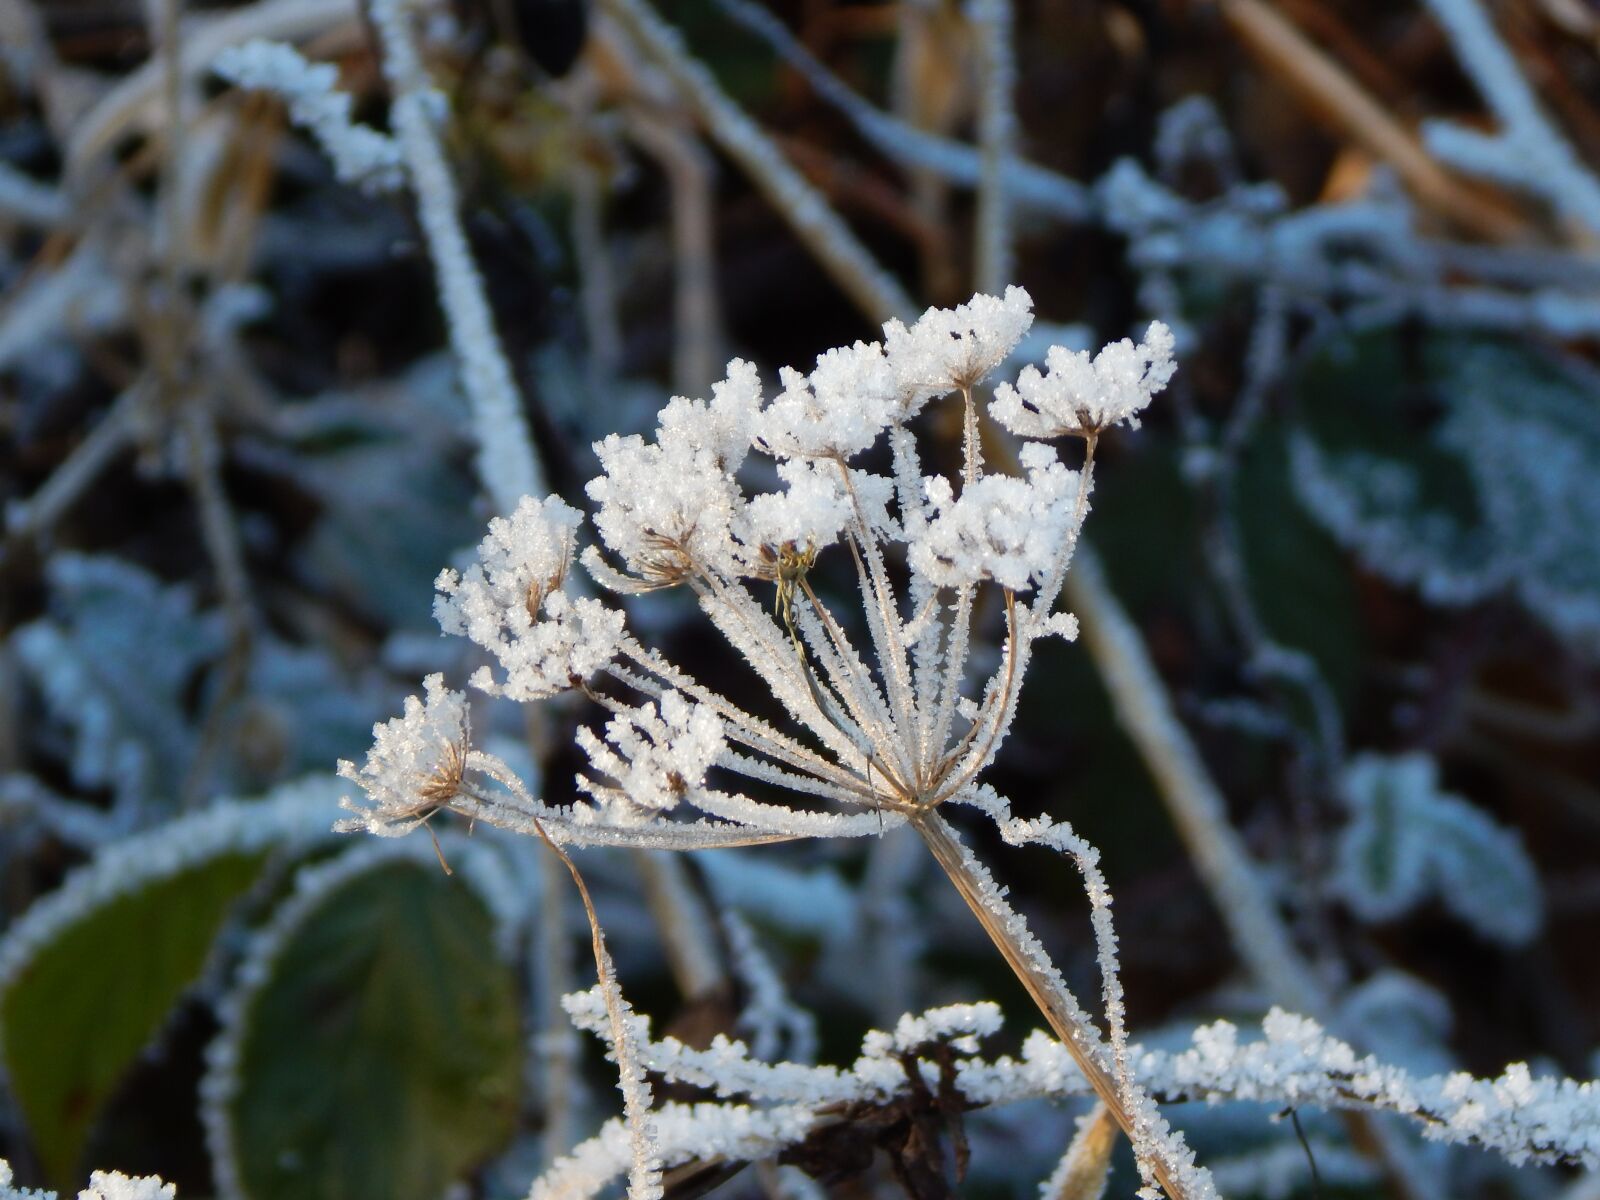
{"x":656,"y":754}
{"x":837,"y":411}
{"x":1080,"y":396}
{"x":1001,"y":528}
{"x":951,"y":348}
{"x":415,"y":764}
{"x":515,"y":604}
{"x":359,"y":154}
{"x":103,"y":1185}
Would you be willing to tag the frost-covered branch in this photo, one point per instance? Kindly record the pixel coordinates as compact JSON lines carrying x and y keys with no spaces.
{"x":761,"y":1109}
{"x":507,"y":462}
{"x":103,"y":1185}
{"x":1528,"y":153}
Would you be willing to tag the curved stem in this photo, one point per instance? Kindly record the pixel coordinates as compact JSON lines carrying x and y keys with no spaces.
{"x":1023,"y":954}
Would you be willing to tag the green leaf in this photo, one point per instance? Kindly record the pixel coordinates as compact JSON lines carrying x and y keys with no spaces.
{"x":376,"y":1045}
{"x":1368,"y":465}
{"x":1527,"y":426}
{"x":1407,"y":840}
{"x":1298,"y":578}
{"x":75,"y":1015}
{"x":115,"y":659}
{"x":1461,"y":466}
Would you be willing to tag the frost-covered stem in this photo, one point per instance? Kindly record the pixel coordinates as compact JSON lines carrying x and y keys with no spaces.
{"x":558,"y":1039}
{"x":597,"y":291}
{"x":748,"y":628}
{"x":1530,"y":140}
{"x":954,"y":666}
{"x":858,"y":274}
{"x":644,"y":1175}
{"x":696,"y":319}
{"x":1004,"y":688}
{"x":507,"y":465}
{"x":997,"y":141}
{"x":1081,"y":1173}
{"x":741,"y":726}
{"x":1259,"y":935}
{"x":885,"y":621}
{"x":846,"y":671}
{"x":971,"y":440}
{"x":1017,"y":945}
{"x":684,"y":923}
{"x":997,"y":712}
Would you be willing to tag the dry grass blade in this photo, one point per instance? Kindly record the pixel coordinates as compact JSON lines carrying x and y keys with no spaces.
{"x":1082,"y":1172}
{"x":1331,"y":90}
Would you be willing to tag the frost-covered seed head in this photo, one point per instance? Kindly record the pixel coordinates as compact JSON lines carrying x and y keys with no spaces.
{"x":835,"y":412}
{"x":1001,"y":528}
{"x":666,"y":508}
{"x":1079,"y":396}
{"x":656,"y":754}
{"x":416,"y":764}
{"x":952,"y":348}
{"x":812,"y":510}
{"x":513,"y":603}
{"x":723,"y":425}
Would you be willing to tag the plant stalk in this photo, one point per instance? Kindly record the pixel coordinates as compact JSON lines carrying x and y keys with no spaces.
{"x":1008,"y":931}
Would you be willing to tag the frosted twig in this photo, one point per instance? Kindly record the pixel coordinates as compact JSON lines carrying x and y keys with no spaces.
{"x":1307,"y":69}
{"x":644,"y":1172}
{"x":135,"y":99}
{"x":25,"y":199}
{"x":997,"y":135}
{"x":814,"y":222}
{"x":507,"y":463}
{"x":1027,"y":185}
{"x":359,"y":153}
{"x":1528,"y":153}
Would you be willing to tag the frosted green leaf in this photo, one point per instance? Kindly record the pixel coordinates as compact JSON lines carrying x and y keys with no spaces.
{"x":1407,"y":842}
{"x":374,"y":1047}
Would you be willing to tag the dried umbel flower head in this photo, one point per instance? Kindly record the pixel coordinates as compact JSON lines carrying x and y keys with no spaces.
{"x":1082,"y":397}
{"x":417,"y":764}
{"x":515,"y":604}
{"x":883,"y":716}
{"x":955,"y":349}
{"x":892,"y":726}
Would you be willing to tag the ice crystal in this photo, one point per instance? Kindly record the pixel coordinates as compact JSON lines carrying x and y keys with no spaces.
{"x":657,"y":754}
{"x":837,"y":411}
{"x":1005,"y":529}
